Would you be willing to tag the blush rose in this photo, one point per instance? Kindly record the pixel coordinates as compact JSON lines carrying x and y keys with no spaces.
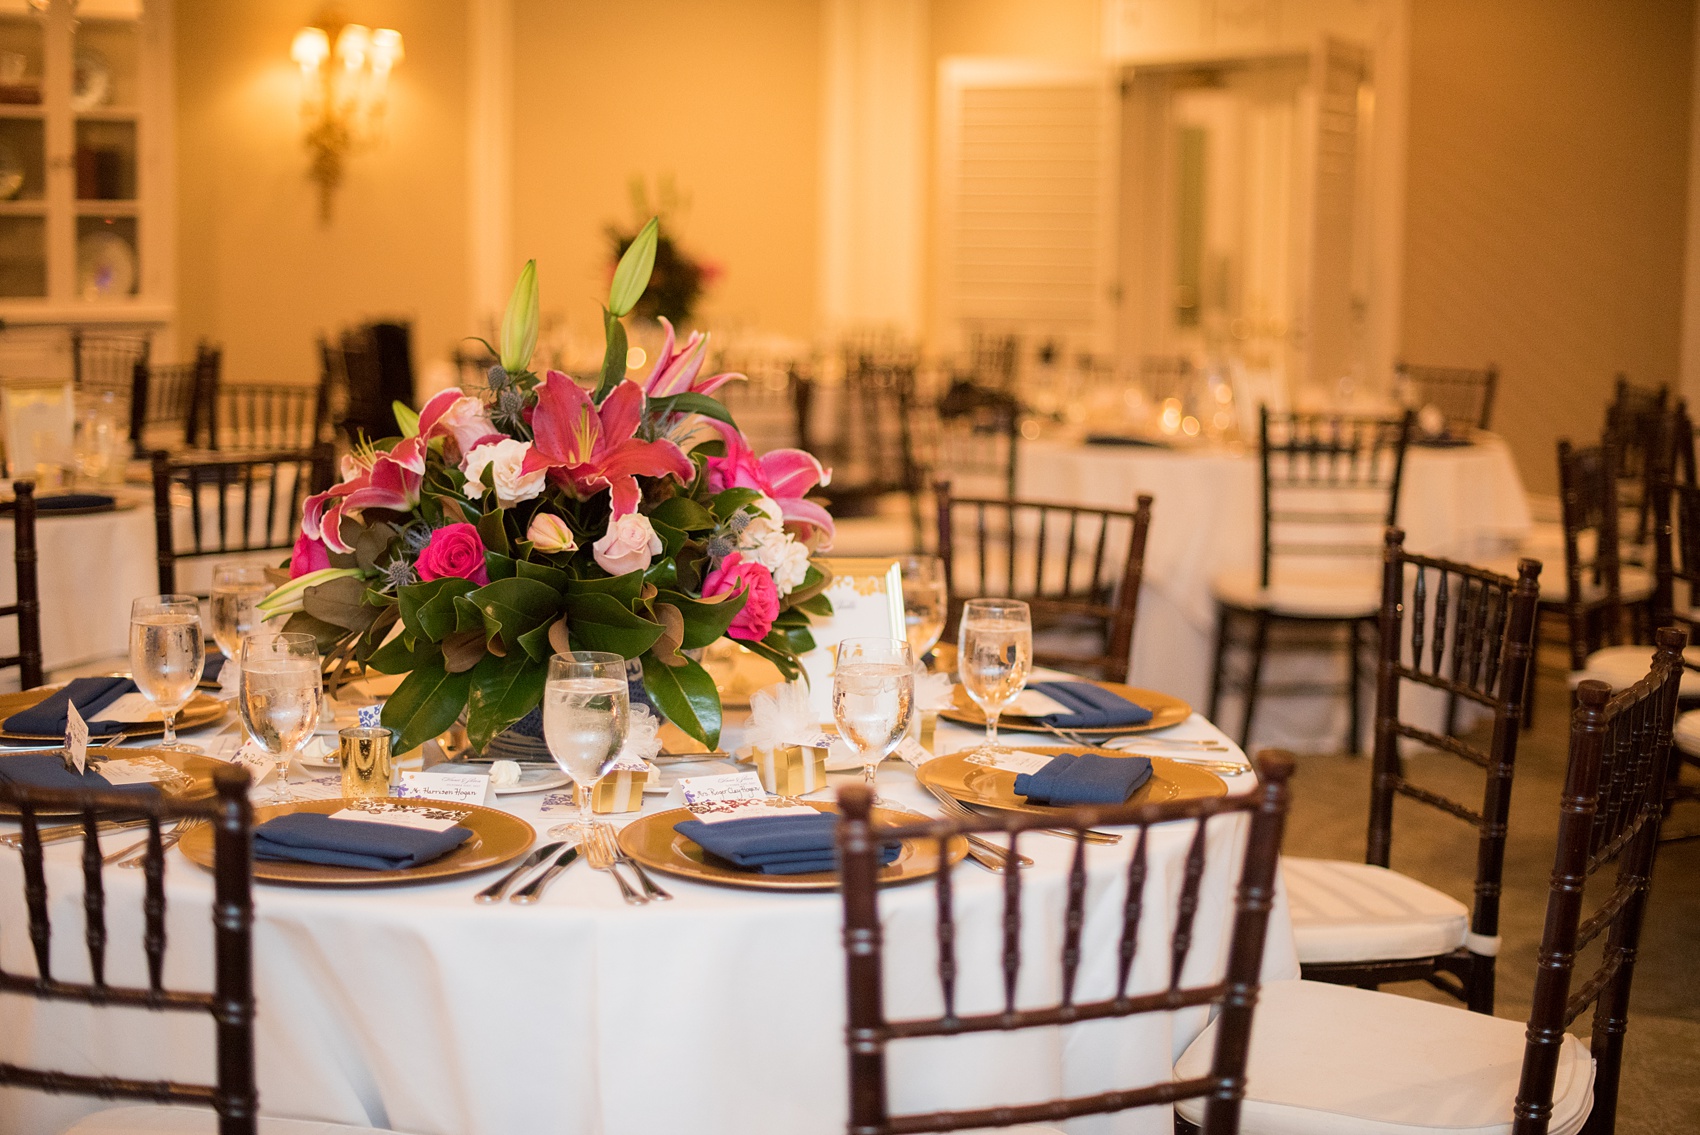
{"x":629,"y":545}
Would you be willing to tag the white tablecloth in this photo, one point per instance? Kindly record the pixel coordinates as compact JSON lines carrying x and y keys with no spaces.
{"x":720,"y":1012}
{"x":1467,"y":503}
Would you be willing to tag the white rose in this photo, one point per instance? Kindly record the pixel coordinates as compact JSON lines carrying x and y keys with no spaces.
{"x":629,"y":545}
{"x":504,"y":774}
{"x":791,"y":569}
{"x":499,"y":466}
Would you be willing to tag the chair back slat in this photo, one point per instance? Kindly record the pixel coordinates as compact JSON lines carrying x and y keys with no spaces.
{"x":27,"y":608}
{"x":870,"y":1032}
{"x":946,"y":930}
{"x":94,"y":901}
{"x":1133,"y":908}
{"x":35,"y":897}
{"x":1612,"y":810}
{"x":153,"y":907}
{"x":1588,"y":491}
{"x":1464,"y":395}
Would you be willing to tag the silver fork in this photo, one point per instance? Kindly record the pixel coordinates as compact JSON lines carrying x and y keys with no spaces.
{"x":651,"y":889}
{"x":1135,"y":738}
{"x":597,"y":853}
{"x":166,"y":843}
{"x":69,"y":831}
{"x":997,"y":852}
{"x":175,"y":834}
{"x":955,"y":807}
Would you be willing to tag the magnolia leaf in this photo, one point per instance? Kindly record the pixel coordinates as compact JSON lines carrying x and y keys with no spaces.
{"x":394,"y":656}
{"x":503,"y":691}
{"x":666,"y":647}
{"x":706,"y":619}
{"x":816,"y":581}
{"x":427,"y":701}
{"x":783,"y":660}
{"x":558,"y":636}
{"x":682,"y":513}
{"x":691,"y":402}
{"x":326,"y":635}
{"x":623,"y":588}
{"x":511,"y":607}
{"x":453,"y":511}
{"x":817,"y":605}
{"x":463,"y":650}
{"x":613,"y":355}
{"x":600,"y":622}
{"x":542,"y":573}
{"x":373,"y":542}
{"x":341,"y":602}
{"x":686,"y":696}
{"x":631,"y":277}
{"x":724,"y":503}
{"x":427,"y":609}
{"x":535,"y":643}
{"x":494,"y":533}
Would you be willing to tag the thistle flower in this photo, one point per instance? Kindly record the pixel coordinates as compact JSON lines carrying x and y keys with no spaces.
{"x":509,"y":410}
{"x":398,"y":574}
{"x":498,"y":379}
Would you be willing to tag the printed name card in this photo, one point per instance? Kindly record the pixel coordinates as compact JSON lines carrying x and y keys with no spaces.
{"x":136,"y":770}
{"x":130,"y":709}
{"x":734,"y":796}
{"x":377,"y":812}
{"x":460,"y":787}
{"x":76,"y":740}
{"x":1015,"y":761}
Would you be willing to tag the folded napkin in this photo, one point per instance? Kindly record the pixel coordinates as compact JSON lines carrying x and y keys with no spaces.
{"x":311,"y":837}
{"x":1126,"y":439}
{"x":1084,"y":778}
{"x":212,"y":666}
{"x":65,"y":501}
{"x":46,"y":718}
{"x":777,"y":845}
{"x":1089,"y":706}
{"x":47,"y":770}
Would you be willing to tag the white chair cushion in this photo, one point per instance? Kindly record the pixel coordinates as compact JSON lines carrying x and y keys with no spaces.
{"x":198,"y":1121}
{"x":1622,"y":666}
{"x":1356,"y":912}
{"x":1633,"y":583}
{"x":1345,"y":593}
{"x":1334,"y":1060}
{"x":1687,"y":733}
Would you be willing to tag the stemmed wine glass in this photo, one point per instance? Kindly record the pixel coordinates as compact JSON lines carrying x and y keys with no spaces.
{"x":166,"y":656}
{"x":586,"y":707}
{"x":924,"y":602}
{"x":994,"y":656}
{"x":236,"y":589}
{"x":873,"y":696}
{"x":279,"y":698}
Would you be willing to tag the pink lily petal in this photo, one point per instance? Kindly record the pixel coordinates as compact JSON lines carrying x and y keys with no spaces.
{"x":621,"y":411}
{"x":436,"y":408}
{"x":565,"y":426}
{"x":792,"y":472}
{"x":807,"y":513}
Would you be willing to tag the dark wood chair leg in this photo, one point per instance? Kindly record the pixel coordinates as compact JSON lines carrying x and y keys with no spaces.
{"x":1223,"y":615}
{"x":1354,"y":695}
{"x":1254,"y":674}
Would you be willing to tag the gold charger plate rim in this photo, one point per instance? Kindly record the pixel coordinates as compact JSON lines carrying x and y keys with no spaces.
{"x":1188,"y":781}
{"x":659,"y":825}
{"x":196,"y":765}
{"x":515,"y":834}
{"x":201,"y":709}
{"x":1166,"y":711}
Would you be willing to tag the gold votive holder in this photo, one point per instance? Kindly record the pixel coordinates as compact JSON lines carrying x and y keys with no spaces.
{"x":368,"y":767}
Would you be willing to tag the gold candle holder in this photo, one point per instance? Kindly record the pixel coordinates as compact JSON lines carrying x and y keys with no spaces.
{"x":368,"y":768}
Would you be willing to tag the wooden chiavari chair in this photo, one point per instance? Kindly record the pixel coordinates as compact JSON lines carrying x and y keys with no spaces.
{"x":1464,"y":395}
{"x":1330,"y":489}
{"x":1470,"y":636}
{"x":268,"y":416}
{"x":102,"y":359}
{"x":27,"y":606}
{"x":1079,"y":569}
{"x":236,"y":505}
{"x":1329,"y":1059}
{"x":1218,"y":1088}
{"x":1636,"y":429}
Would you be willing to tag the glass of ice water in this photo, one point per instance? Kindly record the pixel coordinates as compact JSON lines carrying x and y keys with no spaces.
{"x":873,"y":696}
{"x":994,"y":657}
{"x":236,"y":589}
{"x":279,"y":698}
{"x":166,"y":655}
{"x":586,"y":706}
{"x":924,"y":603}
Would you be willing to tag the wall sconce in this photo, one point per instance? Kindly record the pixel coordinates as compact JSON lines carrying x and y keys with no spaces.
{"x":342,"y":94}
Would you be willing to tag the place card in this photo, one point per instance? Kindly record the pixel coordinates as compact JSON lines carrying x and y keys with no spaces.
{"x":460,"y":787}
{"x":1035,"y":703}
{"x":378,"y":812}
{"x":735,"y":796}
{"x":76,"y":739}
{"x":131,"y":709}
{"x":560,"y":802}
{"x":1014,"y":760}
{"x":136,"y":770}
{"x":222,"y":747}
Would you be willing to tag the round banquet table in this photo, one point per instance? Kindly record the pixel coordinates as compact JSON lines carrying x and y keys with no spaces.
{"x":1467,"y":503}
{"x":719,"y":1012}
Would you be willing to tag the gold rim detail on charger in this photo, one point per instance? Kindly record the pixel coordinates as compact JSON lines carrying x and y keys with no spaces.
{"x":497,"y":837}
{"x":201,"y":710}
{"x":1166,"y":710}
{"x":198,"y":768}
{"x":988,"y":787}
{"x":652,"y":841}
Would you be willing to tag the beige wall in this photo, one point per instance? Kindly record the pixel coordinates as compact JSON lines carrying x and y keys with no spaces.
{"x":722,"y":95}
{"x":256,"y":267}
{"x":1546,"y":198}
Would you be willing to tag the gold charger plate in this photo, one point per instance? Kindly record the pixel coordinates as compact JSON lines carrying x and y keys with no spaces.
{"x":988,"y":787}
{"x":652,"y":841}
{"x":1166,"y":710}
{"x":497,"y":837}
{"x":202,"y":709}
{"x":197,"y":768}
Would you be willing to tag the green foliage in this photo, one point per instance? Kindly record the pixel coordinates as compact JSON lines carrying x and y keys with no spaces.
{"x":686,"y":695}
{"x":503,"y":691}
{"x":427,"y":701}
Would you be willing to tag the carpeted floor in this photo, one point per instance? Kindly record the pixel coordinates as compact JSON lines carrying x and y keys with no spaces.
{"x":1661,"y":1082}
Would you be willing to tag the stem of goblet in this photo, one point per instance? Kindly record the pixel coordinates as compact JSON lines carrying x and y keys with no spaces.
{"x":170,"y":729}
{"x":584,"y":796}
{"x":992,"y":727}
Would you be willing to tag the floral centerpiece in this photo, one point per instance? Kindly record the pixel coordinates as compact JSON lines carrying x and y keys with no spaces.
{"x":543,"y":513}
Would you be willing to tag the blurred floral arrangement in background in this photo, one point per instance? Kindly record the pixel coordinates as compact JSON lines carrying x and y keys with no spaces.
{"x":677,"y":281}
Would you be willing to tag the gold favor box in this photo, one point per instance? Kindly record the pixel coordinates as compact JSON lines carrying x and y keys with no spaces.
{"x":790,"y":770}
{"x":620,"y":791}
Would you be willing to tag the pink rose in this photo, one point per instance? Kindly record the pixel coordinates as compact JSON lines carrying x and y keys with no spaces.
{"x":309,"y":555}
{"x":455,"y":551}
{"x":549,"y":533}
{"x":629,"y":545}
{"x":761,"y":597}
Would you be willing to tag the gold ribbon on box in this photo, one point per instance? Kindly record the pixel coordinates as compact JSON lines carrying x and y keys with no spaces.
{"x":621,"y":790}
{"x":790,"y":770}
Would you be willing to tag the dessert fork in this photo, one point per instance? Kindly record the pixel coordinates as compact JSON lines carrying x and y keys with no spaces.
{"x":597,"y":853}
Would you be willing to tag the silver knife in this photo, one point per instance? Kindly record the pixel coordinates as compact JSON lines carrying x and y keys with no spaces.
{"x":494,"y":892}
{"x":533,"y":890}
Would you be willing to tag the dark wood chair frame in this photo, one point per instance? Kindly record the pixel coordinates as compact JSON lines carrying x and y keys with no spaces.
{"x":263,"y":492}
{"x":1676,"y":543}
{"x":870,"y":1032}
{"x":1324,"y":453}
{"x":1464,"y":395}
{"x":1486,"y":659}
{"x":231,"y":1004}
{"x":1107,"y":600}
{"x":27,"y":607}
{"x":269,"y":416}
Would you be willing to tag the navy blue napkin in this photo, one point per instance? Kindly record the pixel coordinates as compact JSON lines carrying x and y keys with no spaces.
{"x":1089,"y":706}
{"x":1084,"y":778}
{"x":1126,"y":439}
{"x":774,"y":845}
{"x":46,"y":718}
{"x":47,"y":770}
{"x":211,"y":668}
{"x":312,"y":837}
{"x":67,"y":501}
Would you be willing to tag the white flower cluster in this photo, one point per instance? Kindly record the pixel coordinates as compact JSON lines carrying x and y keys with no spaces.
{"x":765,"y":541}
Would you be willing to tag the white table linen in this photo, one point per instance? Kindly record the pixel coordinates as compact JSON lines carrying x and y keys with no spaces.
{"x":720,"y":1012}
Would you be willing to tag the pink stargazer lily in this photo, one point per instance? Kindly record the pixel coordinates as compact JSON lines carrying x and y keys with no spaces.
{"x":371,"y":479}
{"x":676,"y":371}
{"x":786,"y":475}
{"x":588,"y":448}
{"x":461,"y":417}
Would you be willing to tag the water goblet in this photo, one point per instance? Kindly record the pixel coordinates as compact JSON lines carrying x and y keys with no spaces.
{"x":279,"y":698}
{"x":994,"y":657}
{"x":873,"y":697}
{"x":586,"y":707}
{"x":237,"y":588}
{"x":924,"y":603}
{"x":166,"y":656}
